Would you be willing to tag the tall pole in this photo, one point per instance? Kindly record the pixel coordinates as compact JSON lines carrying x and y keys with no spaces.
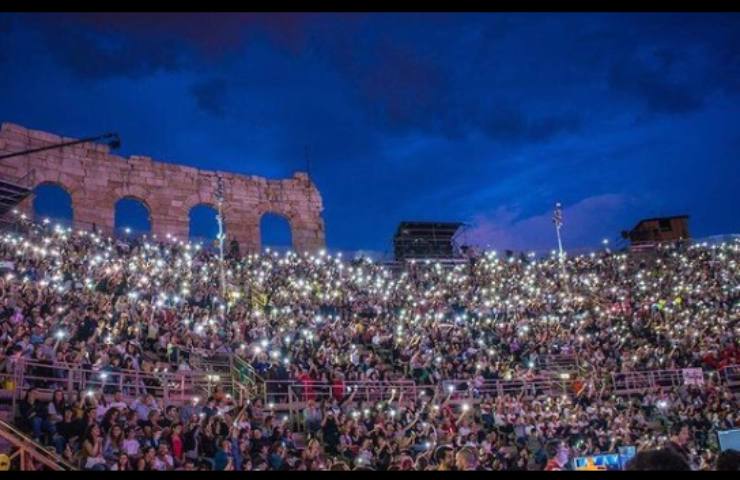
{"x":220,"y":219}
{"x":560,"y":244}
{"x":557,"y":219}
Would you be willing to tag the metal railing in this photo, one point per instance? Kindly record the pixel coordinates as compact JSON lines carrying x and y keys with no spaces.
{"x":640,"y":380}
{"x":533,"y":387}
{"x":243,"y":373}
{"x":237,"y":369}
{"x":238,"y":378}
{"x":641,"y":245}
{"x":28,"y":451}
{"x":293,"y":396}
{"x":560,"y":362}
{"x":281,"y":394}
{"x":169,"y":386}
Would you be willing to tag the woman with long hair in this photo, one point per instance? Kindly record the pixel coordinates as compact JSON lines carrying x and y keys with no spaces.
{"x":92,"y":449}
{"x":113,"y":444}
{"x":122,"y":463}
{"x":101,"y":406}
{"x":57,"y":406}
{"x":88,"y":419}
{"x":110,"y":418}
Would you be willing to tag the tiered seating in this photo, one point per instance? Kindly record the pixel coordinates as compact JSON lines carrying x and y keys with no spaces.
{"x":11,"y":194}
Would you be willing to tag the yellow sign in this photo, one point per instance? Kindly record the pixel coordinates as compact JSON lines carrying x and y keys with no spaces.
{"x":591,"y":466}
{"x":259,"y":300}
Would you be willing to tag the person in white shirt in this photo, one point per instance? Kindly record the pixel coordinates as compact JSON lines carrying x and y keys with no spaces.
{"x":101,"y":407}
{"x":131,"y":445}
{"x":118,"y":401}
{"x":144,"y":406}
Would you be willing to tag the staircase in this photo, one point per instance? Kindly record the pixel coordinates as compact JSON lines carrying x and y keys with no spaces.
{"x":25,"y":454}
{"x":558,"y":363}
{"x":11,"y":194}
{"x":235,"y":375}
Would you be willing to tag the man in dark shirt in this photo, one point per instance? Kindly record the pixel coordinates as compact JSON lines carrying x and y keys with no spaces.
{"x":657,"y":460}
{"x":330,"y":431}
{"x":171,"y":417}
{"x":87,"y":329}
{"x":35,"y":415}
{"x":210,"y":409}
{"x":69,"y":430}
{"x":258,"y":443}
{"x":680,"y":436}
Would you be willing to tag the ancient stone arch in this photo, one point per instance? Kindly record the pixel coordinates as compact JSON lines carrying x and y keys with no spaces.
{"x":279,"y":214}
{"x":32,"y":197}
{"x":138,"y":199}
{"x":96,"y":180}
{"x":212,"y":206}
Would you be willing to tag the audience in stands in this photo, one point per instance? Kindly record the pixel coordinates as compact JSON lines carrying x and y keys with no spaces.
{"x":75,"y":298}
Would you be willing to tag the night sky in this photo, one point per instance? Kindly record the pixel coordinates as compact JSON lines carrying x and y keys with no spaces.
{"x":486,"y":119}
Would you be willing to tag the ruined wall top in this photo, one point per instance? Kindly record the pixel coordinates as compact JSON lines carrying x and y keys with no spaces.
{"x":97,"y":179}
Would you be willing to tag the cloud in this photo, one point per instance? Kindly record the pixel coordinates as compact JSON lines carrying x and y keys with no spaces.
{"x":432,"y":116}
{"x":211,"y":95}
{"x":132,"y":45}
{"x":657,"y":83}
{"x":210,"y":32}
{"x":585,"y":224}
{"x":101,"y":53}
{"x":512,"y":125}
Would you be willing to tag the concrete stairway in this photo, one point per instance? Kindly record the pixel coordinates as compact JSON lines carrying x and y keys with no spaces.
{"x":11,"y":194}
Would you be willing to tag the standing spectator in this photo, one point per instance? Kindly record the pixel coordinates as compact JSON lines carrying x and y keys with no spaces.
{"x":35,"y":415}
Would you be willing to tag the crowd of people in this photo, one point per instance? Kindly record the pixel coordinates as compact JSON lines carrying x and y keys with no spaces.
{"x":74,"y":297}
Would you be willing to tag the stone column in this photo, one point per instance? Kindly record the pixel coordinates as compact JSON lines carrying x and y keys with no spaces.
{"x":89,"y":208}
{"x":245,"y":229}
{"x":164,"y":224}
{"x":308,"y":236}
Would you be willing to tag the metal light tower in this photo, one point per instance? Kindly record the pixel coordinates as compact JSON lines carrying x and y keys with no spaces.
{"x":557,"y":219}
{"x":219,"y":218}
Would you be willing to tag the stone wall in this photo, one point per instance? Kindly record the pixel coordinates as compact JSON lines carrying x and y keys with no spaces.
{"x":96,"y":180}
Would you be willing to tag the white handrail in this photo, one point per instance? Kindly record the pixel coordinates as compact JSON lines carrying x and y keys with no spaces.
{"x":27,"y":446}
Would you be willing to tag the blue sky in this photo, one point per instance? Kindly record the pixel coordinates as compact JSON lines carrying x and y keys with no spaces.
{"x":486,"y":119}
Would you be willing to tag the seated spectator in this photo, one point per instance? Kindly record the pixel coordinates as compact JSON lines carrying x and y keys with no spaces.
{"x":665,"y":459}
{"x":728,"y":461}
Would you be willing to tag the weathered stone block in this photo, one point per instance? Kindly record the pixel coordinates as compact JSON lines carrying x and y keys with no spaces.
{"x":98,"y":179}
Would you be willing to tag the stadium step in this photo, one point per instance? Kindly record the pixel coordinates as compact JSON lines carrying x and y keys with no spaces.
{"x":11,"y":194}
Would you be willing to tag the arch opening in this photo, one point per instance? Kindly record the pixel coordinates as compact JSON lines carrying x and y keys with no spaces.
{"x":53,"y":202}
{"x":204,"y":225}
{"x":275,"y":232}
{"x":132,"y":217}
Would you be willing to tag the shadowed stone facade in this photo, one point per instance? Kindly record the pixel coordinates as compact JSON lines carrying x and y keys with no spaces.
{"x":96,"y":180}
